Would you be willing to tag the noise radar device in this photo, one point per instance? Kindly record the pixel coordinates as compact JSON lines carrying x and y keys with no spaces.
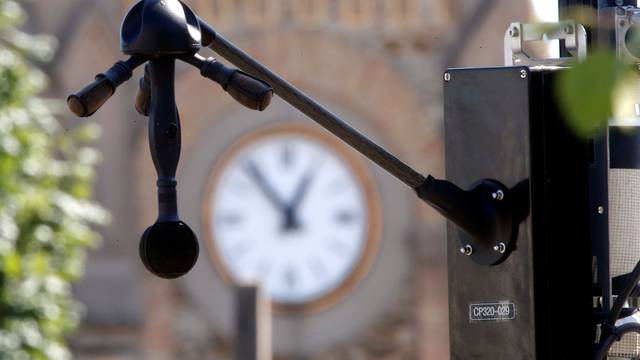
{"x":503,"y":123}
{"x":160,"y":32}
{"x":527,"y":243}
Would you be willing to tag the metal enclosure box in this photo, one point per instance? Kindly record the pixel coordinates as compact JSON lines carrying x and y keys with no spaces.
{"x":502,"y":124}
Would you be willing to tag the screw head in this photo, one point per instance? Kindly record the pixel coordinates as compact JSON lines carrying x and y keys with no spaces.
{"x":466,"y":250}
{"x":523,"y":74}
{"x":447,"y":77}
{"x":600,"y":210}
{"x":171,"y":131}
{"x":500,"y":247}
{"x":498,"y":195}
{"x":514,"y":32}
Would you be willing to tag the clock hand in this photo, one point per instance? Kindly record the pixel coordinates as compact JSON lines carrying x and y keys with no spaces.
{"x":302,"y":189}
{"x":258,"y":177}
{"x":291,"y":221}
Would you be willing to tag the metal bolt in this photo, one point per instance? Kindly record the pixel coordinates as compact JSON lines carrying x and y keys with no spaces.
{"x":466,"y":250}
{"x":514,"y":32}
{"x":171,"y":131}
{"x":523,"y":74}
{"x":498,"y":195}
{"x":600,"y":210}
{"x":447,"y":77}
{"x":501,"y":248}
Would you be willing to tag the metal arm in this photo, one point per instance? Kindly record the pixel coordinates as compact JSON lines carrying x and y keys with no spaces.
{"x":164,"y":136}
{"x":311,"y":108}
{"x":161,"y":34}
{"x":475,"y":210}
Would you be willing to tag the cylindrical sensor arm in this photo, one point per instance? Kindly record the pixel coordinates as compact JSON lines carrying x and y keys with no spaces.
{"x":476,"y":210}
{"x":87,"y":101}
{"x":311,"y":108}
{"x":249,"y":91}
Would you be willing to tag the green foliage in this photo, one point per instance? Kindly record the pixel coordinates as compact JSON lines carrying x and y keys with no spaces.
{"x":46,"y":176}
{"x":588,"y":91}
{"x":602,"y":87}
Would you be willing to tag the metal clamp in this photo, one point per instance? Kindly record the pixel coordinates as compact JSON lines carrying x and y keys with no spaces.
{"x":627,"y":25}
{"x":518,"y":34}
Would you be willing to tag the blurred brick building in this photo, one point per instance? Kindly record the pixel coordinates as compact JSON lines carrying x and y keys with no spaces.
{"x":378,"y":62}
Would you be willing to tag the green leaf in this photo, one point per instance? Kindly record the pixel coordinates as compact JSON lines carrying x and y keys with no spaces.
{"x":12,"y":265}
{"x":46,"y":181}
{"x":586,"y":92}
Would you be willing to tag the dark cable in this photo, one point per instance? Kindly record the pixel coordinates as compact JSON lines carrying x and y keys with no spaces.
{"x":634,"y":278}
{"x":311,"y":108}
{"x":610,"y":332}
{"x":607,"y":341}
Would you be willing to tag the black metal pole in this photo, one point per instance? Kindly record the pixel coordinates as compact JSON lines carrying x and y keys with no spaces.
{"x":164,"y":136}
{"x":598,"y":173}
{"x":311,"y":108}
{"x":464,"y":208}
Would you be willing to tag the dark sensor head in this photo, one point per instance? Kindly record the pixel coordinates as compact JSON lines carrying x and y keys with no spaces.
{"x":160,"y":27}
{"x":169,"y":249}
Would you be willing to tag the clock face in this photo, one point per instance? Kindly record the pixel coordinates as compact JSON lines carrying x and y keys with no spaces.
{"x":295,"y":210}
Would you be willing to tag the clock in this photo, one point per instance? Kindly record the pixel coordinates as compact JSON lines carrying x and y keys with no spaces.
{"x":295,"y":209}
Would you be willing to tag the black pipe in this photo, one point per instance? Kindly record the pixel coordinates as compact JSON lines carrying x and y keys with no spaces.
{"x":164,"y":136}
{"x":476,"y":210}
{"x":311,"y":108}
{"x":608,"y":341}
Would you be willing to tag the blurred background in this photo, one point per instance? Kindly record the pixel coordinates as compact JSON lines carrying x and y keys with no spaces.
{"x":376,"y":63}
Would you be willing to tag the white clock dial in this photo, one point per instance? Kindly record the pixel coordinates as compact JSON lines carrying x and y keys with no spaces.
{"x":288,"y":209}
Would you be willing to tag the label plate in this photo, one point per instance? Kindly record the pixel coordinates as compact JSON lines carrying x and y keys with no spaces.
{"x":498,"y":311}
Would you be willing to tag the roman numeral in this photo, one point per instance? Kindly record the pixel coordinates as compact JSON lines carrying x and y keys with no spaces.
{"x":230,"y":219}
{"x":346,"y":217}
{"x":287,"y":155}
{"x":291,"y":277}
